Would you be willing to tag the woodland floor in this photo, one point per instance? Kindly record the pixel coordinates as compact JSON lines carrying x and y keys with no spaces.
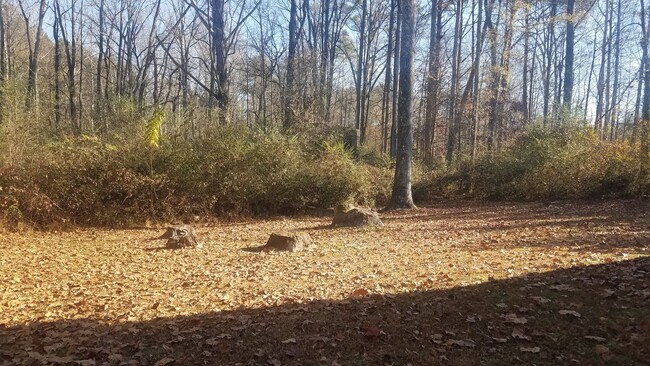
{"x":449,"y":284}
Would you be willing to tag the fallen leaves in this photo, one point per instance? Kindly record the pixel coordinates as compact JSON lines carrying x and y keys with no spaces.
{"x":513,"y":318}
{"x":570,"y":312}
{"x":165,"y":361}
{"x":467,"y":281}
{"x":519,"y":333}
{"x":371,"y":331}
{"x":360,"y":292}
{"x":595,"y":338}
{"x":461,"y":343}
{"x":529,"y":349}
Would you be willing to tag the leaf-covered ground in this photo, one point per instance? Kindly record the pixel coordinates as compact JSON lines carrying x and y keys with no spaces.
{"x":449,"y":284}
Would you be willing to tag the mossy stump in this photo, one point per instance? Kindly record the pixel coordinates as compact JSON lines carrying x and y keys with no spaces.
{"x":290,"y":242}
{"x":181,"y":236}
{"x":346,"y":216}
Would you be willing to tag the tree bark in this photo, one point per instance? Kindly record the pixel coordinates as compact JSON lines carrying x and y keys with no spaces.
{"x":645,"y":114}
{"x":98,"y":76}
{"x":525,"y":82}
{"x":401,"y":195}
{"x":569,"y":56}
{"x":360,"y":79}
{"x":476,"y":94}
{"x":549,"y":51}
{"x":432,"y":87}
{"x":3,"y":44}
{"x":34,"y":52}
{"x":388,"y":75}
{"x":393,"y":127}
{"x":616,"y":86}
{"x":454,"y":129}
{"x":289,"y":113}
{"x":218,"y":51}
{"x":600,"y":105}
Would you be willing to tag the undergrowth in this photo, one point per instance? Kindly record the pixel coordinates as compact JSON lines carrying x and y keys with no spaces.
{"x":234,"y":172}
{"x":569,"y":162}
{"x":237,"y":171}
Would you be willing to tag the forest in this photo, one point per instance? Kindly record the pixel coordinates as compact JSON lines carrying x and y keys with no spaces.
{"x":438,"y":182}
{"x":122,"y":111}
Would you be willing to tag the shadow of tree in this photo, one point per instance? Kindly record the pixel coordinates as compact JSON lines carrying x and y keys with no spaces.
{"x":583,"y":226}
{"x":493,"y":323}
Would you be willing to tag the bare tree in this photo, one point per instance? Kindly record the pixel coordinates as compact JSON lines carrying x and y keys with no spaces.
{"x":289,"y":113}
{"x":569,"y":55}
{"x":3,"y":44}
{"x":454,"y":129}
{"x":432,"y":85}
{"x":34,"y":44}
{"x":401,"y":195}
{"x":645,"y":114}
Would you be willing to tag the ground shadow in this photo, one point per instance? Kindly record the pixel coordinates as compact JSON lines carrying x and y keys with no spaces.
{"x":592,"y":315}
{"x":582,"y":226}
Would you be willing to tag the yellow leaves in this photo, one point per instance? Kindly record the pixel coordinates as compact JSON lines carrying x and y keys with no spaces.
{"x":153,"y":126}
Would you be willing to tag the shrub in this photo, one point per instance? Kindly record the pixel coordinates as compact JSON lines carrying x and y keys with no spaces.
{"x":237,"y":171}
{"x":565,"y":163}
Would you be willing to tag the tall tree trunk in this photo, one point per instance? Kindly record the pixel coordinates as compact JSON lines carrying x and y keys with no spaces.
{"x":591,"y":75}
{"x":289,"y":113}
{"x":637,"y":104}
{"x":454,"y":129}
{"x":326,"y":21}
{"x":616,"y":86}
{"x":494,"y":81}
{"x":398,"y":40}
{"x":80,"y":99}
{"x":34,"y":52}
{"x":3,"y":44}
{"x":388,"y":74}
{"x":645,"y":114}
{"x":432,"y":87}
{"x":360,"y":82}
{"x":476,"y":94}
{"x":57,"y":75}
{"x":218,"y":51}
{"x":608,"y":75}
{"x":401,"y":195}
{"x":600,"y":105}
{"x":568,"y":56}
{"x":549,"y":52}
{"x":70,"y":43}
{"x":525,"y":82}
{"x":504,"y":74}
{"x":98,"y":75}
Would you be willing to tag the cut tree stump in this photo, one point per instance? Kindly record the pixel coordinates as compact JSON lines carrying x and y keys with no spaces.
{"x":181,"y":236}
{"x":355,"y":217}
{"x":291,"y":242}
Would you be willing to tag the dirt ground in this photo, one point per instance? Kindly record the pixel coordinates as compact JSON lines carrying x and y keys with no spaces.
{"x":449,"y":284}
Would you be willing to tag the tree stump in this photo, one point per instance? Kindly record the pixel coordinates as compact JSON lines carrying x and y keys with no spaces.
{"x":291,"y":242}
{"x":181,"y":236}
{"x":355,"y":217}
